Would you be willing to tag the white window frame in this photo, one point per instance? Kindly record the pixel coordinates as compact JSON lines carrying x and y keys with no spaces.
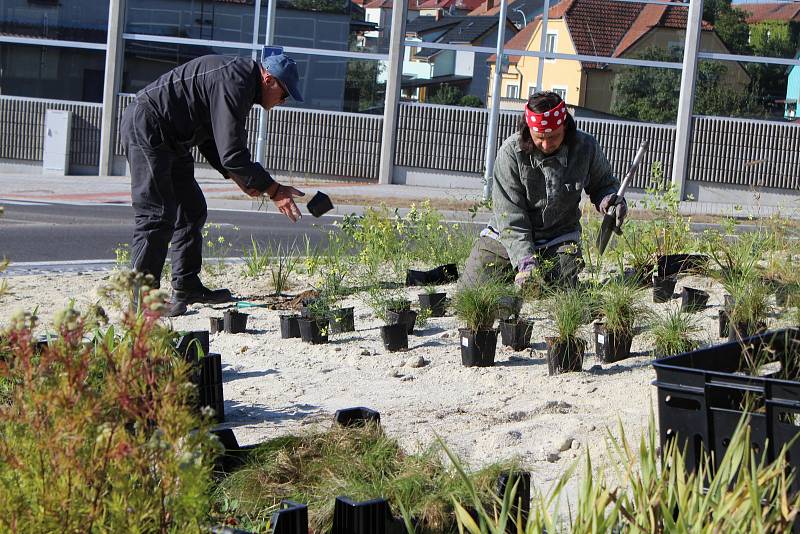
{"x":558,"y":89}
{"x":554,"y":35}
{"x":531,"y":89}
{"x":515,"y":88}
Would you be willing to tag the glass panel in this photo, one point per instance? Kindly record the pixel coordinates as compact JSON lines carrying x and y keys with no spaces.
{"x":755,"y":90}
{"x":51,"y":72}
{"x":340,"y":84}
{"x":144,"y":61}
{"x":329,"y":25}
{"x":751,"y":29}
{"x":67,"y":20}
{"x":193,"y":19}
{"x":449,"y":77}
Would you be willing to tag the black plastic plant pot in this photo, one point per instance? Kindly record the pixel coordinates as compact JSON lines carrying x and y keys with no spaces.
{"x":235,"y":322}
{"x":565,"y":357}
{"x":521,"y":498}
{"x":611,"y":346}
{"x":206,"y":374}
{"x":291,"y":518}
{"x":672,"y":264}
{"x":366,"y":517}
{"x":641,"y":277}
{"x":342,"y":320}
{"x":192,"y":346}
{"x":478,"y":348}
{"x":290,"y":327}
{"x":693,"y":300}
{"x":416,"y":278}
{"x":443,"y":274}
{"x":508,"y":307}
{"x":395,"y":337}
{"x":405,"y":317}
{"x":723,"y":323}
{"x":320,"y":204}
{"x":234,"y":455}
{"x":743,"y":330}
{"x":313,"y":331}
{"x":435,"y":302}
{"x":216,"y":324}
{"x":516,"y":334}
{"x":356,"y":416}
{"x":663,"y":287}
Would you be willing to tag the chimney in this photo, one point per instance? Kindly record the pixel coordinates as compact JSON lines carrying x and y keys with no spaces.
{"x":489,"y":4}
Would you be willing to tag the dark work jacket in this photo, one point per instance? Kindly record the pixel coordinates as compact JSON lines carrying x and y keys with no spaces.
{"x":205,"y":103}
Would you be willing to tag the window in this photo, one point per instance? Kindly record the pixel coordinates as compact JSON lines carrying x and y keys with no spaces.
{"x":561,"y":91}
{"x":551,"y":42}
{"x":512,"y":91}
{"x":531,"y":89}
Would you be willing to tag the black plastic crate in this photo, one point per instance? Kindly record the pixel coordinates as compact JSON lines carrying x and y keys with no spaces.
{"x":701,"y":395}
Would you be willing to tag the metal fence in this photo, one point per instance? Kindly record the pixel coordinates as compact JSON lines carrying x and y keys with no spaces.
{"x":347,"y":145}
{"x":22,"y":129}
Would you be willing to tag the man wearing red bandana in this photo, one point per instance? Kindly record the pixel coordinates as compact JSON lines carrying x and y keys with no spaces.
{"x":539,"y":174}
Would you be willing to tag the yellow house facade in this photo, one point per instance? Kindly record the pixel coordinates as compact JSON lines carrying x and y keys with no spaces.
{"x":577,"y":27}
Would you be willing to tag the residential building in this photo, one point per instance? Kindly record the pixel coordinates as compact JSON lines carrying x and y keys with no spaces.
{"x":428,"y":68}
{"x":596,"y":28}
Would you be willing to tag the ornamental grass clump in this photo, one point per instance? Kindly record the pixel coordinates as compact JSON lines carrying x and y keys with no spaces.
{"x":477,"y":306}
{"x":101,"y":437}
{"x":362,"y":463}
{"x":622,"y":308}
{"x":674,"y":333}
{"x":653,"y":492}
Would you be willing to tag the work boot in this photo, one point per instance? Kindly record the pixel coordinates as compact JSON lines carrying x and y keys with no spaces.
{"x":181,"y":298}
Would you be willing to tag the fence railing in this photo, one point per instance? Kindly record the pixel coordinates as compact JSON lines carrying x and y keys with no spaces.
{"x":348,"y":145}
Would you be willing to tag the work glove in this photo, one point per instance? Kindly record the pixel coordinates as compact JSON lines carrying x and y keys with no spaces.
{"x":526,"y":267}
{"x":620,"y":212}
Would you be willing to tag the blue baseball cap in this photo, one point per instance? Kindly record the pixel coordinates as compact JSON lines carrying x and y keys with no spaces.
{"x":285,"y":69}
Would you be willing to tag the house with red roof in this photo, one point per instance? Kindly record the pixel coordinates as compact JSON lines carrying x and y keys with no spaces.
{"x":596,"y":28}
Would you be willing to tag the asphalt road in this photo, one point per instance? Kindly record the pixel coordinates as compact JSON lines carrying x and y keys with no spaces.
{"x":33,"y":232}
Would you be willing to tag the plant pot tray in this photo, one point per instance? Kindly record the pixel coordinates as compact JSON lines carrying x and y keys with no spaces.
{"x":701,"y":395}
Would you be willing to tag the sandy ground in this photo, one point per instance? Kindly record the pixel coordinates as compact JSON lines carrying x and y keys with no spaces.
{"x":275,"y":386}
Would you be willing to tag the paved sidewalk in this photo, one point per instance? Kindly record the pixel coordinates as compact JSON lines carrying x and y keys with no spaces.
{"x":348,"y":197}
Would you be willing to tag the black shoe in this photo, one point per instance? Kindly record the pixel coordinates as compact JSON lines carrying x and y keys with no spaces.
{"x":202,"y":295}
{"x":175,"y":308}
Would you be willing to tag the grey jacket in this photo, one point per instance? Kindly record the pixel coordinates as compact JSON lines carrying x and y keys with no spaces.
{"x":536,"y":198}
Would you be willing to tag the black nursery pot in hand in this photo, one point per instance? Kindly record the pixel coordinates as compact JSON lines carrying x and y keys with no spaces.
{"x":320,"y":204}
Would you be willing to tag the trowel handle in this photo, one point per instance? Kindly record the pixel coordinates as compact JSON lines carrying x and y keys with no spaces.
{"x":632,"y":171}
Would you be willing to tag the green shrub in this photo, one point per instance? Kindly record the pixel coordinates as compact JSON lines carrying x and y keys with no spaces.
{"x":99,"y":437}
{"x":674,"y":333}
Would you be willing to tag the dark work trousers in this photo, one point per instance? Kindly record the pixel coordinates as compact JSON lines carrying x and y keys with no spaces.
{"x":168,"y":204}
{"x":489,"y":260}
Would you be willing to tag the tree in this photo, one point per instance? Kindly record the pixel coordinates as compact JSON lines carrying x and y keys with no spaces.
{"x":445,"y":94}
{"x":651,"y":94}
{"x":470,"y":101}
{"x":731,"y":26}
{"x":362,"y":89}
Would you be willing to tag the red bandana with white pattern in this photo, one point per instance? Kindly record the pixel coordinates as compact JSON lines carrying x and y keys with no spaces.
{"x":546,"y":122}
